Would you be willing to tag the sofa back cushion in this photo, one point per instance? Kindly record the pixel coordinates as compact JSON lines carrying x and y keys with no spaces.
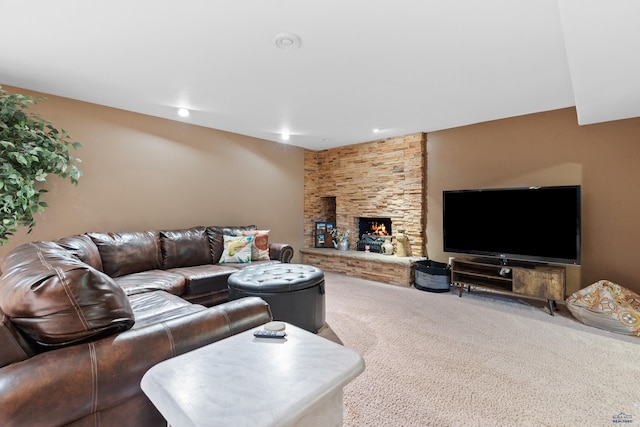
{"x":128,"y":252}
{"x":57,"y":300}
{"x":185,"y":248}
{"x":216,"y":243}
{"x":83,"y":248}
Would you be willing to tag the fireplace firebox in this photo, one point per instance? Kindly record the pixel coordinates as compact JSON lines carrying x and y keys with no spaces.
{"x":372,"y":233}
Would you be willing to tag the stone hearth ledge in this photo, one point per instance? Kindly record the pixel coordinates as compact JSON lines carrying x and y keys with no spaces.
{"x":389,"y":269}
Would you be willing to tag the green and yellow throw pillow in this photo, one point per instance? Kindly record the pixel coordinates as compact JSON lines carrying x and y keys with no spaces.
{"x":236,"y":249}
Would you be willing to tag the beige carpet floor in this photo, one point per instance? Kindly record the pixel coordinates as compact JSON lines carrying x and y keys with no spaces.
{"x":439,"y":360}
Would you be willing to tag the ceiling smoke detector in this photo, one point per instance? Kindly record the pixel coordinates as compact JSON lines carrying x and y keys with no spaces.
{"x":287,"y":40}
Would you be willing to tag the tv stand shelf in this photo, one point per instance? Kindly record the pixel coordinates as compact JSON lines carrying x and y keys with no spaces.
{"x":527,"y":279}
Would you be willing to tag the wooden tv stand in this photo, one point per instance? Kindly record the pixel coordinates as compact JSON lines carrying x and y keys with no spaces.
{"x":527,"y":279}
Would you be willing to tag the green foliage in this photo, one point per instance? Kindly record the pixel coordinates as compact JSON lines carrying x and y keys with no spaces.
{"x":30,"y":149}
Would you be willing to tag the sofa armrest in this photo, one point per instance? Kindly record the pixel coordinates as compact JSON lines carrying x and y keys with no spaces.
{"x":61,"y":386}
{"x":282,"y":252}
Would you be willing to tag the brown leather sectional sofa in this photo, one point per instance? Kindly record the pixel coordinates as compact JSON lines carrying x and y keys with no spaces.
{"x":85,"y":316}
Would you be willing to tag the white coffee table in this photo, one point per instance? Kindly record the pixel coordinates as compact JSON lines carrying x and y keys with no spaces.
{"x":248,"y":381}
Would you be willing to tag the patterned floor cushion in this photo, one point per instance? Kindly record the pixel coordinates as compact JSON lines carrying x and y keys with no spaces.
{"x":608,"y":306}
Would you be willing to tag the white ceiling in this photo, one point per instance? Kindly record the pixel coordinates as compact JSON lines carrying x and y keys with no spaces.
{"x":402,"y":67}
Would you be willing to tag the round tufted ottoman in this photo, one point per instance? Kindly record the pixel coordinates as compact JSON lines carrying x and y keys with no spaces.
{"x":295,"y":292}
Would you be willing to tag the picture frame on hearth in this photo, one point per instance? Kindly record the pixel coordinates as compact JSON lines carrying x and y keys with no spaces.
{"x":322,"y":234}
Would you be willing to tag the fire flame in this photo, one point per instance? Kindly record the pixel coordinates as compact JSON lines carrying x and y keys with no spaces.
{"x":378,"y":229}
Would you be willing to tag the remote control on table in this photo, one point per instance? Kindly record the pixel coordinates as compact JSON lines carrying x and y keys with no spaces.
{"x":269,"y":334}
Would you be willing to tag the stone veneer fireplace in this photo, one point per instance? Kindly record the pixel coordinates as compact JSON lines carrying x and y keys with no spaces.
{"x":379,"y":179}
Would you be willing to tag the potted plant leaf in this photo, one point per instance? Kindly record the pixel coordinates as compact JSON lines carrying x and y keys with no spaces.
{"x":30,"y":149}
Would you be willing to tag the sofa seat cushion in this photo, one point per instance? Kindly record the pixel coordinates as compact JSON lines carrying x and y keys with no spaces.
{"x":57,"y":300}
{"x":158,"y":306}
{"x":152,"y":280}
{"x":128,"y":252}
{"x":205,"y":279}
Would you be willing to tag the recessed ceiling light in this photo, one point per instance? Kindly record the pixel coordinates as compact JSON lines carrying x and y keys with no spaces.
{"x":376,"y":130}
{"x":287,"y":40}
{"x":183,"y":112}
{"x":285,"y":136}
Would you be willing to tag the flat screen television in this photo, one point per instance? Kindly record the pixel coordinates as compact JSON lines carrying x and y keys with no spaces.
{"x":540,"y":224}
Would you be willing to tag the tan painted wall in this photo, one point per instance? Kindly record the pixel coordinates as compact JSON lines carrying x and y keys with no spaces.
{"x":143,"y":173}
{"x":551,"y":149}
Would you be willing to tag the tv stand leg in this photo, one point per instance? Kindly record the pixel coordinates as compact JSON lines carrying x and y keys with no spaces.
{"x":461,"y":289}
{"x":552,"y":306}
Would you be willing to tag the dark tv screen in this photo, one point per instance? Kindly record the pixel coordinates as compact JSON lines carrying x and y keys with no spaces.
{"x":530,"y":224}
